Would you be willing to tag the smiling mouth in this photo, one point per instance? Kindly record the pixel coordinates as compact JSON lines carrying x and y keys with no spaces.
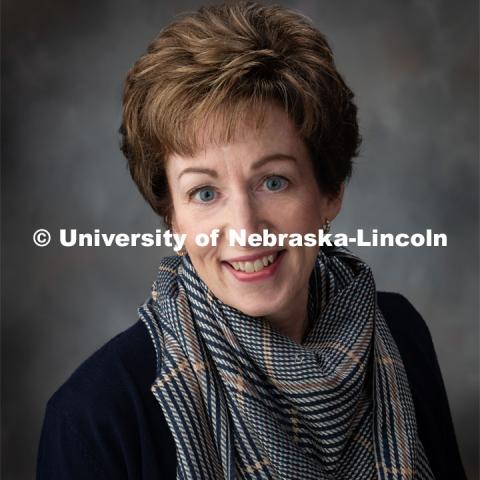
{"x":257,"y":265}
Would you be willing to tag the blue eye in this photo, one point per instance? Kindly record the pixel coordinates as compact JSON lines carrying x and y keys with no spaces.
{"x":204,"y":195}
{"x":275,"y":183}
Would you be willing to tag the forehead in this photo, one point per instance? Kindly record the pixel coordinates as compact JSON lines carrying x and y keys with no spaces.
{"x":256,"y":134}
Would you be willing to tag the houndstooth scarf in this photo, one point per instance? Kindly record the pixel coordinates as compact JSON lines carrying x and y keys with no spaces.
{"x":245,"y":402}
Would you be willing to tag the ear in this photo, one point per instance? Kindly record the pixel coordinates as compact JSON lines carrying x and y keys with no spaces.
{"x":334,"y":203}
{"x":171,"y":222}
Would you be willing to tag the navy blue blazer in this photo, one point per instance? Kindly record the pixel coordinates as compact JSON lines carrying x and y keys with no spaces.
{"x":104,"y":422}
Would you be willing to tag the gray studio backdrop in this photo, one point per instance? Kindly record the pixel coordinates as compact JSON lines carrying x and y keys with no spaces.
{"x":413,"y":66}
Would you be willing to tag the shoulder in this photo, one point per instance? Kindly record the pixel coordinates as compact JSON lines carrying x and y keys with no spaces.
{"x":402,"y":317}
{"x":104,"y":421}
{"x":124,"y":363}
{"x":411,"y":334}
{"x":414,"y":341}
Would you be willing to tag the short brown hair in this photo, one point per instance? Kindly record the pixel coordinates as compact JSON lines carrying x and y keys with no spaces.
{"x":220,"y":62}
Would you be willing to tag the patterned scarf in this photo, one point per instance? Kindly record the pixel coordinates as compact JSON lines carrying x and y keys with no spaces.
{"x":244,"y":401}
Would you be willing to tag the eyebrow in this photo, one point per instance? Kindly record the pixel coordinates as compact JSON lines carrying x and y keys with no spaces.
{"x":259,"y":163}
{"x":272,"y":157}
{"x":205,"y":171}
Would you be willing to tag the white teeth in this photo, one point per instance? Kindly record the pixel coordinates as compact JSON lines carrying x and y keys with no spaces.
{"x":249,"y":267}
{"x":256,"y":266}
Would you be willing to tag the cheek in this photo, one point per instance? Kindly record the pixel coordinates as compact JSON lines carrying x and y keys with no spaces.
{"x":302,"y":216}
{"x":189,"y":221}
{"x":194,"y":229}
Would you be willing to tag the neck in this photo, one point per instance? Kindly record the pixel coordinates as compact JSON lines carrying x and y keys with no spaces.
{"x":292,"y":322}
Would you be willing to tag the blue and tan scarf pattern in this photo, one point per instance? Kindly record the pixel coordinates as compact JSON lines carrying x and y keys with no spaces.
{"x":245,"y":402}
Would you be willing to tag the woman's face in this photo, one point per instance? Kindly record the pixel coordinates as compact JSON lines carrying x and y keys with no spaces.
{"x":263,"y":179}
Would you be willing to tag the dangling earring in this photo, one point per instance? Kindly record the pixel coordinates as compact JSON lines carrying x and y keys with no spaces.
{"x":182,"y":252}
{"x":326,"y":226}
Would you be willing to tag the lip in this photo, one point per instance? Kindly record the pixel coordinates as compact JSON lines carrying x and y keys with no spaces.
{"x":266,"y":272}
{"x":255,"y":256}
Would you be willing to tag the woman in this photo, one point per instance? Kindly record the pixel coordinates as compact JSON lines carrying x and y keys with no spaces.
{"x":248,"y":362}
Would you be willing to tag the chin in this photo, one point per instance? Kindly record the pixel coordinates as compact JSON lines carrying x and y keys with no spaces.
{"x":260,"y":310}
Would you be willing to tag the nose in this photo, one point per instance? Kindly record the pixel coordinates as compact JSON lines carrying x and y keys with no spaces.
{"x":245,"y":213}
